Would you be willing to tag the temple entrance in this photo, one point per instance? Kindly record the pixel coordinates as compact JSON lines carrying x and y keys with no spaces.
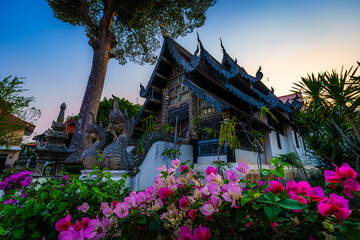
{"x":3,"y":158}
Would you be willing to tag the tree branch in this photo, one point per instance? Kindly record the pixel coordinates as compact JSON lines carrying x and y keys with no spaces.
{"x":86,"y":16}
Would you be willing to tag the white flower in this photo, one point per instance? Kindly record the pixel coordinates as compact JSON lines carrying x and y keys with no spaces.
{"x":2,"y":193}
{"x":37,"y":188}
{"x":34,"y":180}
{"x":42,"y":180}
{"x":78,"y":191}
{"x":17,"y":194}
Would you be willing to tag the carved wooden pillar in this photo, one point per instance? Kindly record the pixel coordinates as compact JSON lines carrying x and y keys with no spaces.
{"x":165,"y":107}
{"x":193,"y":113}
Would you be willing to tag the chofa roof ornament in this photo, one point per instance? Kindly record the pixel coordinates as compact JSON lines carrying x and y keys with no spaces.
{"x":222,"y":46}
{"x":259,"y":74}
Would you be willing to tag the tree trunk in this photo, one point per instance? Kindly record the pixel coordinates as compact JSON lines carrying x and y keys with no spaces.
{"x":90,"y":103}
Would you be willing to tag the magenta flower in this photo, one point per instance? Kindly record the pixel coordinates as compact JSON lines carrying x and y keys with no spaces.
{"x":121,"y":210}
{"x":201,"y":233}
{"x":207,"y":209}
{"x":84,"y":224}
{"x":92,"y":229}
{"x":184,"y":204}
{"x":185,"y":233}
{"x":332,"y":177}
{"x":72,"y":234}
{"x":214,"y":188}
{"x":293,"y":196}
{"x":292,"y":186}
{"x":63,"y":224}
{"x":84,"y":207}
{"x":304,"y":188}
{"x":350,"y":185}
{"x":233,"y":194}
{"x":232,"y":176}
{"x":183,"y":168}
{"x":243,"y":168}
{"x":346,"y":171}
{"x":105,"y":209}
{"x":164,"y":192}
{"x":336,"y":205}
{"x":276,"y":187}
{"x":316,"y":194}
{"x":214,"y":178}
{"x":175,"y":163}
{"x":192,"y":214}
{"x":211,"y":169}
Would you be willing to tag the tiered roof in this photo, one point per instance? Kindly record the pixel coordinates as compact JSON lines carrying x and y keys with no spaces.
{"x":223,"y":85}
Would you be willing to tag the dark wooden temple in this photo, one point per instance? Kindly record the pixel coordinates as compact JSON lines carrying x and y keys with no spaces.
{"x":185,"y":86}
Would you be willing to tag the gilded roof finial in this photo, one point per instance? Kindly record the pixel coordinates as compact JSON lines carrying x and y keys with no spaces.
{"x":164,"y":33}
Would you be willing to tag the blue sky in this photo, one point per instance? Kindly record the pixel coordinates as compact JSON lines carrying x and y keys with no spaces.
{"x":287,"y":38}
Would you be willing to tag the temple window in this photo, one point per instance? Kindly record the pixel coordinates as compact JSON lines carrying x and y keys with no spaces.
{"x":278,"y":140}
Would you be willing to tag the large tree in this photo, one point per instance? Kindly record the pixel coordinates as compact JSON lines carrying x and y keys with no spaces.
{"x":12,"y":102}
{"x":127,"y":30}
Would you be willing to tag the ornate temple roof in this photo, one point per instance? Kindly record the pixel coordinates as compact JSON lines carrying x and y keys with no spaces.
{"x":223,"y":85}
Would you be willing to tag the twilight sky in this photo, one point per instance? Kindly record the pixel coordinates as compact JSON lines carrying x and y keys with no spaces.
{"x":287,"y":38}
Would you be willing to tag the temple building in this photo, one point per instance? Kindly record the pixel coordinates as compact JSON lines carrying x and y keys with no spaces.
{"x":185,"y":88}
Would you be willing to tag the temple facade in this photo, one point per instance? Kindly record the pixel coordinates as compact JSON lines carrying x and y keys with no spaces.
{"x":186,"y":88}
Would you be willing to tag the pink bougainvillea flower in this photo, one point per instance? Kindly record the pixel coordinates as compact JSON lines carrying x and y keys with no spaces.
{"x":121,"y":210}
{"x":207,"y":209}
{"x":316,"y":194}
{"x":163,"y":168}
{"x":71,"y":234}
{"x":63,"y":224}
{"x":304,"y":188}
{"x":214,"y":188}
{"x":164,"y":192}
{"x":185,"y":233}
{"x":216,"y":201}
{"x":332,"y":177}
{"x":183,"y":168}
{"x":233,"y":194}
{"x":346,"y":171}
{"x":276,"y":187}
{"x":214,"y":178}
{"x":84,"y":207}
{"x":292,"y":186}
{"x":243,"y":168}
{"x":197,"y":193}
{"x":175,"y":163}
{"x":184,"y":204}
{"x":336,"y":205}
{"x":201,"y":233}
{"x":350,"y":185}
{"x":232,"y":176}
{"x":92,"y":229}
{"x":192,"y":214}
{"x":211,"y":169}
{"x":84,"y":224}
{"x":106,"y":210}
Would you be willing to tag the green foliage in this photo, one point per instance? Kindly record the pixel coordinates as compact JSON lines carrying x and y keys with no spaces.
{"x":134,"y":26}
{"x":209,"y":132}
{"x":171,"y":153}
{"x":267,"y":110}
{"x":195,"y":124}
{"x":12,"y":102}
{"x":35,"y":215}
{"x":330,"y":122}
{"x":228,"y":134}
{"x":149,"y":124}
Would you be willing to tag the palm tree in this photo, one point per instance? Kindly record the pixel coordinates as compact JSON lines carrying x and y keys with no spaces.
{"x":331,"y":118}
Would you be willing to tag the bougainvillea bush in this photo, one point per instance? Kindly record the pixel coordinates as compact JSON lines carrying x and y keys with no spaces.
{"x":30,"y":211}
{"x":181,"y":205}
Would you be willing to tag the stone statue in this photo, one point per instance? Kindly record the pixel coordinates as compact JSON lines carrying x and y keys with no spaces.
{"x":116,"y":156}
{"x":96,"y":135}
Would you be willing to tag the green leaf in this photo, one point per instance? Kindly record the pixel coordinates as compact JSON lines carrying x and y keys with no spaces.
{"x":141,"y":220}
{"x":271,"y":211}
{"x":275,"y":161}
{"x":271,"y":196}
{"x":311,"y":217}
{"x":245,"y":200}
{"x":285,"y":164}
{"x":7,"y":209}
{"x":62,"y":206}
{"x":35,"y":235}
{"x":240,"y":214}
{"x":291,"y":204}
{"x":256,"y":206}
{"x":2,"y":231}
{"x":19,"y":210}
{"x":155,"y":226}
{"x":265,"y":172}
{"x":279,"y":171}
{"x":19,"y":232}
{"x":29,"y":203}
{"x":56,"y":193}
{"x":43,"y":195}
